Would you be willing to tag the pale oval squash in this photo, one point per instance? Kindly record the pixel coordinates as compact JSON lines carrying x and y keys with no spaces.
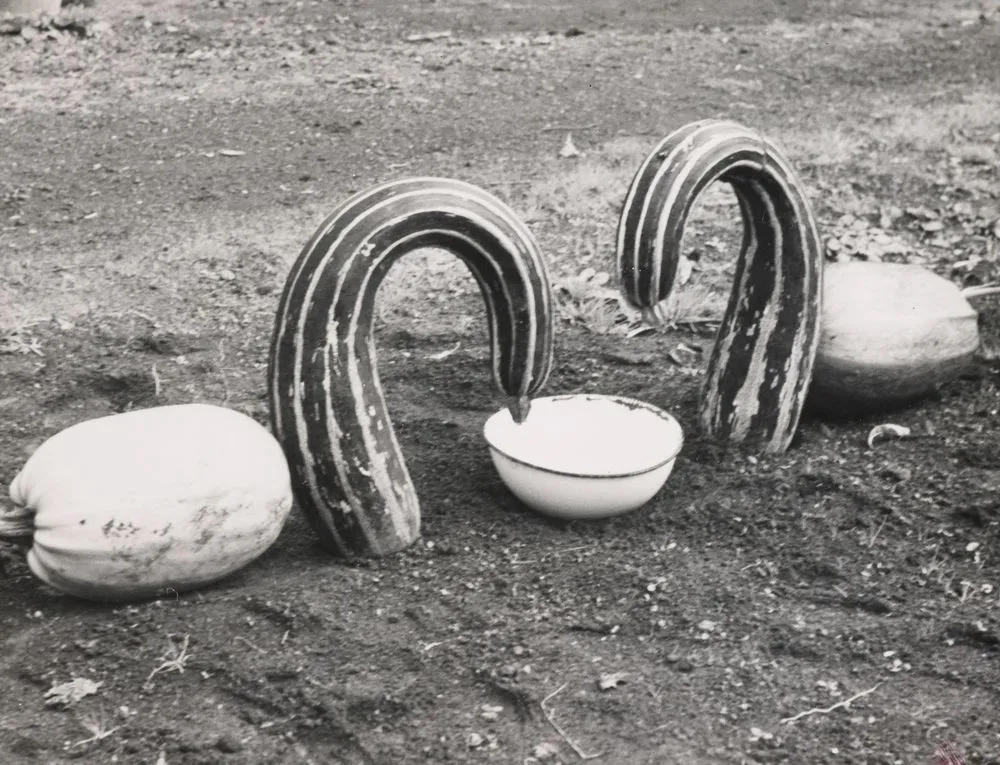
{"x":131,"y":505}
{"x":889,"y":333}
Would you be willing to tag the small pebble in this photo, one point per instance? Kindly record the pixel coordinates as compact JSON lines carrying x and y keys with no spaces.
{"x":229,"y":743}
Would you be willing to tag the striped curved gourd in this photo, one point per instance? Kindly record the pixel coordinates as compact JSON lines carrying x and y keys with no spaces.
{"x":760,"y":366}
{"x":327,"y":405}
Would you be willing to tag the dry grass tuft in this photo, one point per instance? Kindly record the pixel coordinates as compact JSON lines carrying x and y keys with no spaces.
{"x":589,"y":189}
{"x":828,"y":146}
{"x":695,"y":303}
{"x":935,"y":126}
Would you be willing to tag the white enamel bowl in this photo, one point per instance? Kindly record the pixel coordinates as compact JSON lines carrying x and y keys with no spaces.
{"x":584,"y":455}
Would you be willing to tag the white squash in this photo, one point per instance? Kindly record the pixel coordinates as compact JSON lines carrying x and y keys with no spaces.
{"x":890,"y":333}
{"x":131,"y":505}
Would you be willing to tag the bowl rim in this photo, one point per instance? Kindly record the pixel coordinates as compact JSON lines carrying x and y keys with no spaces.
{"x":634,"y":403}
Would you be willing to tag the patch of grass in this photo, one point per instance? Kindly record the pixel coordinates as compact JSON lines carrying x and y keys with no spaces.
{"x":589,"y":189}
{"x":827,"y":146}
{"x":966,"y":130}
{"x":935,"y":126}
{"x":698,"y":302}
{"x":587,"y":299}
{"x":19,"y":340}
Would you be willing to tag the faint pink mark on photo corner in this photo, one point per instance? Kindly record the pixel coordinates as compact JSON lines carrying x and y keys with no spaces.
{"x":947,"y":754}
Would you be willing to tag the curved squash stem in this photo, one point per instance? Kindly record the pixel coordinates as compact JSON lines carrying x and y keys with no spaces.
{"x":519,"y":408}
{"x":981,"y":291}
{"x":17,"y":521}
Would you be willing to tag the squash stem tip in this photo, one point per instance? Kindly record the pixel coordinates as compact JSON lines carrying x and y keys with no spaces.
{"x":981,"y":291}
{"x":16,"y":522}
{"x":654,"y":316}
{"x":519,"y":408}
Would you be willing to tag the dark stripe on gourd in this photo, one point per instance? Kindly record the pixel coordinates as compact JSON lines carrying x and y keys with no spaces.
{"x":327,"y":406}
{"x":761,"y":364}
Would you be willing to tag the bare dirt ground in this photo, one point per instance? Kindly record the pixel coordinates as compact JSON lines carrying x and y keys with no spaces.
{"x":161,"y":163}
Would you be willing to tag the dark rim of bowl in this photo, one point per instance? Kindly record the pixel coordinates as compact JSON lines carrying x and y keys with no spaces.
{"x":634,"y":403}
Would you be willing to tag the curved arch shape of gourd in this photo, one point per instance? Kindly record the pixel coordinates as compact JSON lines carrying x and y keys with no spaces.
{"x":762,"y":360}
{"x":327,"y":406}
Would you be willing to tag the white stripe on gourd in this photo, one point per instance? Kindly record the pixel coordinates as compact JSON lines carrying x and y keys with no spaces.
{"x":327,"y":405}
{"x":761,"y":364}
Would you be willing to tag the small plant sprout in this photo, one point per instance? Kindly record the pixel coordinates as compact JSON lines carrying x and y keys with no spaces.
{"x":174,"y":660}
{"x":96,"y":725}
{"x":873,"y":536}
{"x":19,"y":340}
{"x":588,"y":300}
{"x":694,"y":304}
{"x":977,"y":551}
{"x":967,"y":590}
{"x":935,"y":568}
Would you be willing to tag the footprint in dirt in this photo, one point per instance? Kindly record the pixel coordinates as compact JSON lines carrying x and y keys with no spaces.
{"x":100,"y":391}
{"x":124,"y":390}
